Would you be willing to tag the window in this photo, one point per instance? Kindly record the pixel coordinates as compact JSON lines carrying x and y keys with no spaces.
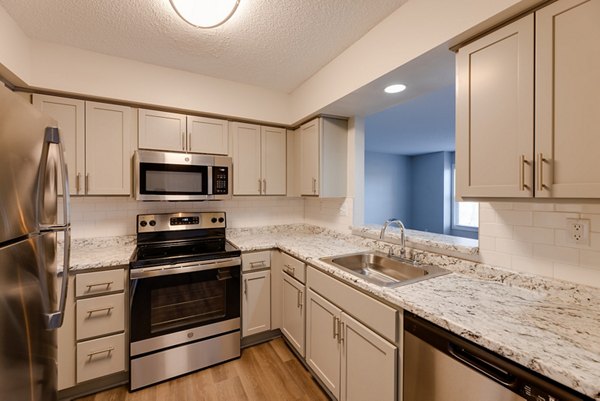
{"x":465,"y":215}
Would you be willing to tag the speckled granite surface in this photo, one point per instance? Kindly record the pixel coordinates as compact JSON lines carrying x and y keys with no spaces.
{"x":93,"y":253}
{"x":552,"y":327}
{"x":428,"y":240}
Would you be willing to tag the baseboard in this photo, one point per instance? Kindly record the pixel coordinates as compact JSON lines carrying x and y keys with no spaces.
{"x":259,"y":338}
{"x":93,"y":386}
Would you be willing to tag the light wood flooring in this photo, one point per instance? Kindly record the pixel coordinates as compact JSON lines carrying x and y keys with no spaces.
{"x":268,"y":371}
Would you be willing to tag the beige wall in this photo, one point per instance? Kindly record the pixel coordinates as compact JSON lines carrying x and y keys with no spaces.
{"x":416,"y":27}
{"x":530,"y":237}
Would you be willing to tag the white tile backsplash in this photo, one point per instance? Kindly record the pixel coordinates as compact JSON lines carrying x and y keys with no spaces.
{"x":115,"y":216}
{"x":335,"y":213}
{"x":531,"y":238}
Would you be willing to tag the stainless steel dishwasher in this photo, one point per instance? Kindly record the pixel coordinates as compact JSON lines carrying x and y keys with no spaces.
{"x":441,"y":366}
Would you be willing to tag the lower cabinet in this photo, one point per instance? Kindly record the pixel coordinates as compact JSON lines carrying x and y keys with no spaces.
{"x":92,"y":341}
{"x":256,"y":302}
{"x":351,"y":360}
{"x":293,"y":311}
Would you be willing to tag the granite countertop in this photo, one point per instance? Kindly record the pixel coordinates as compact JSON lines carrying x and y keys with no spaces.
{"x":550,"y":326}
{"x":94,"y":253}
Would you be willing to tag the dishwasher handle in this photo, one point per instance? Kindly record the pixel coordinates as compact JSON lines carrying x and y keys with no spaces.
{"x":483,"y":366}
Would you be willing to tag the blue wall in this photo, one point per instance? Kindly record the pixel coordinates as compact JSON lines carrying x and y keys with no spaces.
{"x":415,"y":189}
{"x":430,"y":203}
{"x":387,"y":187}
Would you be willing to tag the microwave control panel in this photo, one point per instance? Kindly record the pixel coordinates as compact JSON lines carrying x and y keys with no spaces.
{"x":220,"y":180}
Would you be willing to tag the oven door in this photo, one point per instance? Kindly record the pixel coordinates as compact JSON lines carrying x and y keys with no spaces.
{"x":193,"y":301}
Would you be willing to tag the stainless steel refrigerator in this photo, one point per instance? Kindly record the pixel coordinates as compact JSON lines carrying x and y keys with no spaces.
{"x":31,"y":305}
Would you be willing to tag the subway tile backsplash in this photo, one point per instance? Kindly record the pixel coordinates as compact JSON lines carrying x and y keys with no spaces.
{"x":531,"y":237}
{"x":115,"y":216}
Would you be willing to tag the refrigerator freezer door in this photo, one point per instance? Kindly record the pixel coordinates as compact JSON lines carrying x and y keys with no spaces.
{"x":27,"y":349}
{"x":22,"y":136}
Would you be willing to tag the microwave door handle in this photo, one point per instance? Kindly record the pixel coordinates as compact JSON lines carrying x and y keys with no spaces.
{"x":210,"y":180}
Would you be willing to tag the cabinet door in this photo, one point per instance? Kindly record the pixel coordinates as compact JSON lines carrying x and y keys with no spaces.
{"x":309,"y":158}
{"x":256,"y":304}
{"x":207,"y":135}
{"x":273,"y":160}
{"x":366,"y":358}
{"x":70,"y":115}
{"x":246,"y":159}
{"x":567,"y":99}
{"x":494,"y":113}
{"x":160,"y":130}
{"x":292,"y":325}
{"x":108,"y":149}
{"x":322,"y":347}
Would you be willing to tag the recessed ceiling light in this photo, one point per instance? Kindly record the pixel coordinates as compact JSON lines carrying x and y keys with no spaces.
{"x":395,"y":88}
{"x":205,"y":13}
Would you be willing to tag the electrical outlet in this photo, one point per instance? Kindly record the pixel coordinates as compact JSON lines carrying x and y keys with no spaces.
{"x":578,"y":231}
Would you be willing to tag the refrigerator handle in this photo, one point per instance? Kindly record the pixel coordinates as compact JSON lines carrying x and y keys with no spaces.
{"x":54,"y":319}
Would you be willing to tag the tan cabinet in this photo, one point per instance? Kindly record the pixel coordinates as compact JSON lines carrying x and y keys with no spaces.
{"x":92,"y":340}
{"x":160,"y":130}
{"x":293,"y":310}
{"x":323,"y":144}
{"x":498,"y":152}
{"x":98,"y":143}
{"x":366,"y":358}
{"x":108,"y":149}
{"x":494,"y":113}
{"x":259,"y":159}
{"x":323,"y":348}
{"x":207,"y":135}
{"x":70,"y":116}
{"x":567,"y":115}
{"x":345,"y":353}
{"x":256,"y":302}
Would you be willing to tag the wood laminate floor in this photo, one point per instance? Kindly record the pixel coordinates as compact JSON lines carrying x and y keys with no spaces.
{"x":268,"y":371}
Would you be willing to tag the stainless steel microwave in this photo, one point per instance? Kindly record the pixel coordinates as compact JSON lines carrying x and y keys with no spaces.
{"x":170,"y":176}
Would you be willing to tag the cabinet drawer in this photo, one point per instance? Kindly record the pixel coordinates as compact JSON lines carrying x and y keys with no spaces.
{"x":378,"y":316}
{"x":294,"y":267}
{"x":100,"y":357}
{"x":100,"y":315}
{"x":256,"y":260}
{"x":97,"y":283}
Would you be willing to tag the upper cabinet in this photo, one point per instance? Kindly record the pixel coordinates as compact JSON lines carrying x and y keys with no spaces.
{"x":108,"y":150}
{"x":161,"y":130}
{"x":259,"y":159}
{"x":70,"y":116}
{"x":322,"y":145}
{"x":510,"y":145}
{"x":98,"y":143}
{"x":567,"y":115}
{"x":494,"y":113}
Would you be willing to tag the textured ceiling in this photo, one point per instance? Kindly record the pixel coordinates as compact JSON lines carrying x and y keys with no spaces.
{"x":275,"y":44}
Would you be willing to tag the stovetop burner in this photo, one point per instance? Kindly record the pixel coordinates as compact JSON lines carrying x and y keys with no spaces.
{"x":165,"y":239}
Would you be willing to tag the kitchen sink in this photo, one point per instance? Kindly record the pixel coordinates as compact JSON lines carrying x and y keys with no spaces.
{"x":381,"y":269}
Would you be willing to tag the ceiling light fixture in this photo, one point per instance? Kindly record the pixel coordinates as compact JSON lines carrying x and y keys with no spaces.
{"x":205,"y":13}
{"x":396,"y":88}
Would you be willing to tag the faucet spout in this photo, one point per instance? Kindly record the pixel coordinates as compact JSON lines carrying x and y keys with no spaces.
{"x":400,"y":225}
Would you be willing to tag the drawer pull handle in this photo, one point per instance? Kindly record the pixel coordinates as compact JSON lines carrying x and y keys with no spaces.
{"x":108,"y":351}
{"x":290,"y":269}
{"x":107,"y":285}
{"x":108,"y":309}
{"x":259,"y":263}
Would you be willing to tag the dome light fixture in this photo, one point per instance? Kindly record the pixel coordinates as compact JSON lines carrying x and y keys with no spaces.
{"x":205,"y":13}
{"x":396,"y":88}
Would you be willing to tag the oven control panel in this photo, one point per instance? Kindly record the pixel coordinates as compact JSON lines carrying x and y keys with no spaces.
{"x":150,"y":223}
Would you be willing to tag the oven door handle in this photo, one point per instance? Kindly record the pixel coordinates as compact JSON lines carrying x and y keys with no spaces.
{"x":167,"y":270}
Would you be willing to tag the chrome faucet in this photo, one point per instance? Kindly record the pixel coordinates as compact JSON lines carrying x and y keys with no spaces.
{"x":400,"y":225}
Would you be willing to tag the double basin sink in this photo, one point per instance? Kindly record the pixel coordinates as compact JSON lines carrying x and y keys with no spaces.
{"x":386,"y":271}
